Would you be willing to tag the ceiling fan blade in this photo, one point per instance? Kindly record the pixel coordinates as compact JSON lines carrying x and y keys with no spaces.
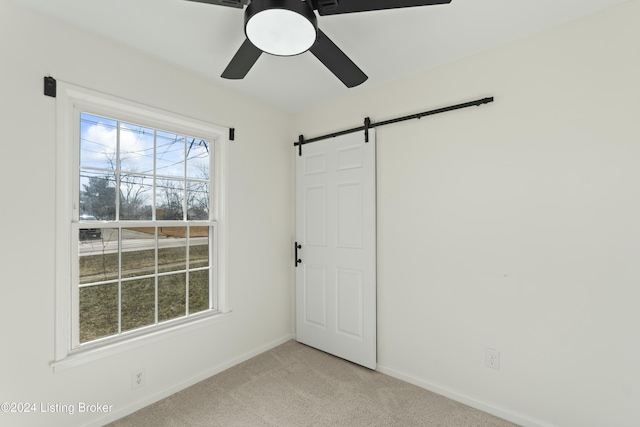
{"x":230,"y":3}
{"x":337,"y":62}
{"x":242,"y":61}
{"x":334,"y":7}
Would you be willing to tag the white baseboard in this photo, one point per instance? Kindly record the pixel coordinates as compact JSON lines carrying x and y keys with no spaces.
{"x":148,"y":400}
{"x":500,"y":412}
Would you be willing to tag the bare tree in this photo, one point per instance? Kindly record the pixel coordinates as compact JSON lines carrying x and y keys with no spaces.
{"x":169,"y":199}
{"x":134,"y":197}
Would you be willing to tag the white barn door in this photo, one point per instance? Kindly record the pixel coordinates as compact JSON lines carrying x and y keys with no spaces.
{"x":336,"y":229}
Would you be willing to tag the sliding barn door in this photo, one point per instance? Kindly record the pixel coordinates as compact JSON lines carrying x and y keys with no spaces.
{"x":336,"y":229}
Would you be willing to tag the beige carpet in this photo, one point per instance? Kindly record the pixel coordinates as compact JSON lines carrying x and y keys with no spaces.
{"x":295,"y":385}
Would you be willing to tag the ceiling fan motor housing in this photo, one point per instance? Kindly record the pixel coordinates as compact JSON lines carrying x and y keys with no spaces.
{"x":281,"y":27}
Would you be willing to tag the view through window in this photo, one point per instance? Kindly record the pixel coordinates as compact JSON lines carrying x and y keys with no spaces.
{"x":145,"y":233}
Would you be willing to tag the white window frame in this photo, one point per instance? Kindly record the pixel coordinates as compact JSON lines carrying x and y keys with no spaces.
{"x":71,"y":100}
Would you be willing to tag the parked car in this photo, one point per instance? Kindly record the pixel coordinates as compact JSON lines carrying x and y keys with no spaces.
{"x":89,"y":233}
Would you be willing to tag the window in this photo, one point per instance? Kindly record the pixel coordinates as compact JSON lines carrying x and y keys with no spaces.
{"x":140,"y":222}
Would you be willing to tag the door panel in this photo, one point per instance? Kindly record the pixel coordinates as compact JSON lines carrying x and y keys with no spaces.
{"x":315,"y":215}
{"x":349,"y":284}
{"x":349,"y":206}
{"x":315,"y":295}
{"x":336,"y":226}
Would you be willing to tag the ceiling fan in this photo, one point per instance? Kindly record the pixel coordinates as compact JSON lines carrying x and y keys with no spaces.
{"x":290,"y":27}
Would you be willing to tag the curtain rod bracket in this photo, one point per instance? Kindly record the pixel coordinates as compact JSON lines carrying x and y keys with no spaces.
{"x":50,"y":86}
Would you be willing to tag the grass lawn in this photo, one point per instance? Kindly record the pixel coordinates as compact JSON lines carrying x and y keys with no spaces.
{"x":137,"y":295}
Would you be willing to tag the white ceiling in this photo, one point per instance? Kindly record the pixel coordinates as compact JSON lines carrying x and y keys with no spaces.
{"x":386,"y":45}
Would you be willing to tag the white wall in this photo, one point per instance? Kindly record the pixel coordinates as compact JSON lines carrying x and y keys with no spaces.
{"x":260,"y":221}
{"x":514,"y":225}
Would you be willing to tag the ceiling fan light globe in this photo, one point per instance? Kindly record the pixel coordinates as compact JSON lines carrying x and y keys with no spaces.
{"x":280,"y":32}
{"x":281,"y":27}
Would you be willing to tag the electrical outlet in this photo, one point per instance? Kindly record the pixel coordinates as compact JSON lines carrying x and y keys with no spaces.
{"x":138,"y":378}
{"x":492,"y":358}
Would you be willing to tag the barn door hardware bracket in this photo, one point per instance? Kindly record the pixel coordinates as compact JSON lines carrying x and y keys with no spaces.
{"x":300,"y":143}
{"x":367,"y":125}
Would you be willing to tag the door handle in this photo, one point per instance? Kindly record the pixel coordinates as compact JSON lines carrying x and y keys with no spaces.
{"x":297,"y":246}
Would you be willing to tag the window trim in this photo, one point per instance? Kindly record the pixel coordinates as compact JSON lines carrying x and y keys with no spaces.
{"x":69,"y":100}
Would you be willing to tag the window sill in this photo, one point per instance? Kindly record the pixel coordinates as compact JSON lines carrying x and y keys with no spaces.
{"x":82,"y":356}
